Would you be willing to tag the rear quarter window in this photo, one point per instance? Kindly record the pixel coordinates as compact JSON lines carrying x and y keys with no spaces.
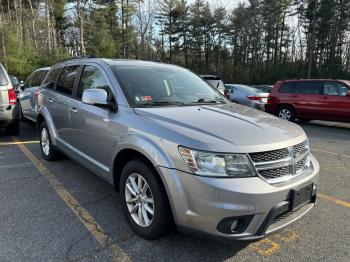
{"x":287,"y":87}
{"x":3,"y":77}
{"x":51,"y":79}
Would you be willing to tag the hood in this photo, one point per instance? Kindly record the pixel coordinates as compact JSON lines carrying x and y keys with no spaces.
{"x":224,"y":128}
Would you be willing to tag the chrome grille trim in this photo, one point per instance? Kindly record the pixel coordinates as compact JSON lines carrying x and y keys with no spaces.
{"x":279,"y":166}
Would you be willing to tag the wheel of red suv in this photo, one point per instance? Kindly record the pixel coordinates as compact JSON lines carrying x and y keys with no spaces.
{"x":47,"y":150}
{"x":12,"y":129}
{"x":145,"y":203}
{"x":286,"y":113}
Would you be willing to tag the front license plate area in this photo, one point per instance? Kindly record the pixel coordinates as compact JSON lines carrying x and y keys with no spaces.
{"x":301,"y":196}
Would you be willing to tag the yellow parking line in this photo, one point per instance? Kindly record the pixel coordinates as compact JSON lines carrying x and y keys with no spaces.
{"x":85,"y":218}
{"x":334,"y":200}
{"x":329,"y":152}
{"x":18,"y":143}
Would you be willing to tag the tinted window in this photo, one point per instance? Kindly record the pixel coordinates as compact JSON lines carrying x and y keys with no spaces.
{"x":51,"y":78}
{"x":315,"y":88}
{"x":287,"y":87}
{"x":92,"y":77}
{"x":29,"y":80}
{"x":335,"y":89}
{"x":38,"y":78}
{"x":65,"y":83}
{"x":3,"y":78}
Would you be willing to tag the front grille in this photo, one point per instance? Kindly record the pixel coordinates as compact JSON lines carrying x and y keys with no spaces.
{"x":270,"y":155}
{"x":301,"y":163}
{"x":281,"y":164}
{"x":277,"y":172}
{"x":299,"y":148}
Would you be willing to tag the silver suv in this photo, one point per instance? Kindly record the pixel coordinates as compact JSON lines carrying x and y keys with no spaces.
{"x":176,"y":150}
{"x":8,"y":102}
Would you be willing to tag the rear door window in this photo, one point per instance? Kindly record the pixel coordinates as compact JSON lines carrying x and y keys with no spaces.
{"x":309,"y":87}
{"x":65,"y":83}
{"x":51,"y":78}
{"x":3,"y":78}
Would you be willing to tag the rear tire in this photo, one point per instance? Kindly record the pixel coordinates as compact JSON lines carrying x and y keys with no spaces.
{"x":12,"y":129}
{"x":286,"y":113}
{"x":48,"y":151}
{"x":148,"y":199}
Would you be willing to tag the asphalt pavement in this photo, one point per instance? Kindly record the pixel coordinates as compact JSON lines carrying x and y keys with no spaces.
{"x":60,"y":211}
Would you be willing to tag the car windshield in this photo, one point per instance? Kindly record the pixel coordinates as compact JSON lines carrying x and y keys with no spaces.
{"x":164,"y":86}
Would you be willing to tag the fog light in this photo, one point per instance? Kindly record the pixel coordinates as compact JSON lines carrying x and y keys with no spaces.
{"x":234,"y":225}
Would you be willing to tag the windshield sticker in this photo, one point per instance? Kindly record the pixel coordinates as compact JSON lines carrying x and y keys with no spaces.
{"x":146,"y":98}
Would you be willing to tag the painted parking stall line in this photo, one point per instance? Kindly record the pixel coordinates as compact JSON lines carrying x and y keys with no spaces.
{"x":334,"y":200}
{"x":85,"y":218}
{"x":18,"y":143}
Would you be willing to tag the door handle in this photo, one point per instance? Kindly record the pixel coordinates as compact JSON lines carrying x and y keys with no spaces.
{"x":50,"y":100}
{"x":74,"y":110}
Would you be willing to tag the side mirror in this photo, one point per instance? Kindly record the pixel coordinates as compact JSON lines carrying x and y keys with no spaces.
{"x":97,"y":97}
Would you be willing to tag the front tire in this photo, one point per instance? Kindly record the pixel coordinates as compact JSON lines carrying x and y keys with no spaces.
{"x":48,"y":151}
{"x":286,"y":113}
{"x":144,"y":200}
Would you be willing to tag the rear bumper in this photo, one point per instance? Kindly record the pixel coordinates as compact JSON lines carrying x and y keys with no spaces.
{"x":8,"y":115}
{"x":201,"y":204}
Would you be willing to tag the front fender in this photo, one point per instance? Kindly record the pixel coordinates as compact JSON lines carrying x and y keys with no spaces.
{"x":145,"y":146}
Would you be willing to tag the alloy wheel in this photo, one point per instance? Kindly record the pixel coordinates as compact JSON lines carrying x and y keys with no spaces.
{"x":139,"y":200}
{"x":45,"y":141}
{"x":285,"y":114}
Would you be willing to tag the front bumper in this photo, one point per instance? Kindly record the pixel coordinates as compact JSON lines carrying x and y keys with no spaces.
{"x":199,"y":204}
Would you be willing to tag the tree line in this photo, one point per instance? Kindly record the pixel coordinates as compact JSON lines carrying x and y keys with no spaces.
{"x":256,"y":41}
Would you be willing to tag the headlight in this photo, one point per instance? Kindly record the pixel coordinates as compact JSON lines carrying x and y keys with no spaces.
{"x":217,"y":165}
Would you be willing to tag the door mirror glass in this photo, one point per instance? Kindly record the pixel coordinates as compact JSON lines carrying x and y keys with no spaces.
{"x":96,"y":97}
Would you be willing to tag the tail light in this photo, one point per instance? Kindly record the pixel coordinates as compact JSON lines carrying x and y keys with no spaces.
{"x":12,"y":96}
{"x":227,"y":93}
{"x":254,"y":98}
{"x":36,"y":95}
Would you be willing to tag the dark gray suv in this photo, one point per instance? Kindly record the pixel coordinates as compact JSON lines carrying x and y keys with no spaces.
{"x":176,"y":149}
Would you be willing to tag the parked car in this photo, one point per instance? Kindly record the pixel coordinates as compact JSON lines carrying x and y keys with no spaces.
{"x":263,"y":88}
{"x":8,"y":101}
{"x":246,"y":95}
{"x":176,"y":149}
{"x":28,"y":95}
{"x":215,"y":81}
{"x":311,"y":100}
{"x":15,"y":83}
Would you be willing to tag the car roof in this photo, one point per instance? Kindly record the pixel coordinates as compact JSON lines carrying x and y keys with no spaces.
{"x":43,"y":69}
{"x":111,"y":62}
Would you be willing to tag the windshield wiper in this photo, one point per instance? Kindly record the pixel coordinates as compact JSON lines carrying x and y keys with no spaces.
{"x":161,"y":103}
{"x":212,"y":101}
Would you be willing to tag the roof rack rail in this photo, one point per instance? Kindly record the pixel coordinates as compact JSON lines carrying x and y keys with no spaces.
{"x":77,"y":57}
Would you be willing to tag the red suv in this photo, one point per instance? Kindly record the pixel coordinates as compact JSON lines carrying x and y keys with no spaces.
{"x":311,"y":100}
